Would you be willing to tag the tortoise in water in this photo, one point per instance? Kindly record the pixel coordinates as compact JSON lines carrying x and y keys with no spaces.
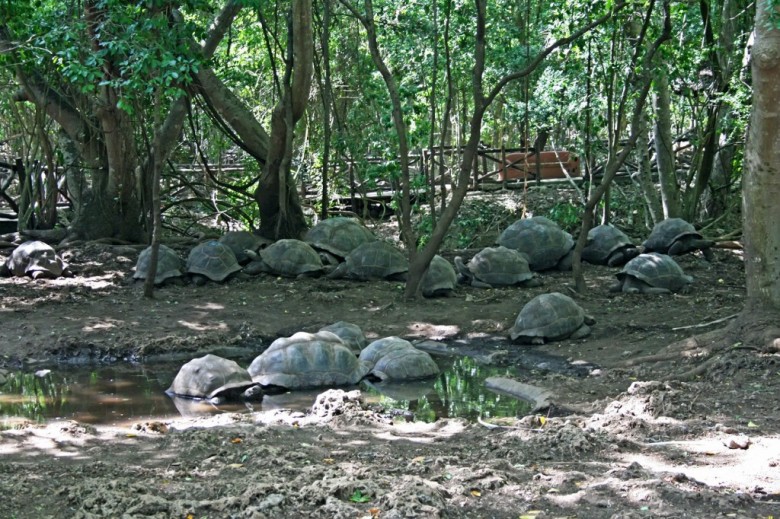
{"x":349,"y":333}
{"x":169,"y":265}
{"x":36,"y":259}
{"x":546,"y":245}
{"x":308,"y":360}
{"x":675,"y":236}
{"x":336,"y":237}
{"x":608,"y":245}
{"x":373,"y":260}
{"x":550,"y":317}
{"x":211,"y":260}
{"x":439,"y":279}
{"x":215,"y":379}
{"x":496,"y":266}
{"x":242,"y":241}
{"x":651,"y":273}
{"x":395,"y":359}
{"x":287,"y":257}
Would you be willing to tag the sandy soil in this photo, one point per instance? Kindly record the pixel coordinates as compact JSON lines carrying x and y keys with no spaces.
{"x":641,"y":436}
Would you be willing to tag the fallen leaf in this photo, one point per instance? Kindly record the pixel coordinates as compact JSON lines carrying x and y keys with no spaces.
{"x":418,"y":459}
{"x":374,"y":512}
{"x":236,"y":440}
{"x":476,"y":492}
{"x":329,"y":461}
{"x":236,"y":465}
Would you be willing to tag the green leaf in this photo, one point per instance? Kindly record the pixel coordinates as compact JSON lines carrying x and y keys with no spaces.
{"x":358,"y":497}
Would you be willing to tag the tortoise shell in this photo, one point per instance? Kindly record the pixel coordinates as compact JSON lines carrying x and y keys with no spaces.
{"x":308,"y":360}
{"x":549,"y":317}
{"x":208,"y":377}
{"x":395,"y":359}
{"x":213,"y":260}
{"x":544,"y":243}
{"x":169,"y":264}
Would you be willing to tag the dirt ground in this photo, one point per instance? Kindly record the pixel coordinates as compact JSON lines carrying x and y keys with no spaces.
{"x":640,"y":436}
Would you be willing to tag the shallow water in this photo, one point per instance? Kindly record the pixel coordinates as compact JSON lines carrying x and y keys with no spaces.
{"x":127,"y":393}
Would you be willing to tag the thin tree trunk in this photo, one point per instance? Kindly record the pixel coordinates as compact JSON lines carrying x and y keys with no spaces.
{"x":664,"y":152}
{"x":644,"y":176}
{"x":643,"y":82}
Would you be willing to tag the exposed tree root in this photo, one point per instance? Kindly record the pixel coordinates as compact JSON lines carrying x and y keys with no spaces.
{"x":750,"y":330}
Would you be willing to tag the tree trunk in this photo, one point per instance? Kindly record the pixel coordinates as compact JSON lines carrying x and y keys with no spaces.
{"x":281,"y":214}
{"x":761,"y":189}
{"x":644,"y":176}
{"x":664,"y":151}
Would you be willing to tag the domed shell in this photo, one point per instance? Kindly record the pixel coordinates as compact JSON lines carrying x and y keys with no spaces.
{"x":212,"y":260}
{"x":668,"y":232}
{"x":373,"y":260}
{"x":169,"y":264}
{"x":338,"y":236}
{"x":603,"y":242}
{"x":349,"y":333}
{"x":500,"y":266}
{"x":292,"y":258}
{"x":653,"y":270}
{"x":540,"y":239}
{"x":208,"y":377}
{"x":241,"y":241}
{"x":552,"y":316}
{"x":308,"y":360}
{"x":35,"y":259}
{"x":439,"y":279}
{"x":395,"y":359}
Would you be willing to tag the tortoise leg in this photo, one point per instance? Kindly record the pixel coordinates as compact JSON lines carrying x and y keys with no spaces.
{"x":564,"y":264}
{"x":532,"y":283}
{"x":622,"y":257}
{"x":581,"y":332}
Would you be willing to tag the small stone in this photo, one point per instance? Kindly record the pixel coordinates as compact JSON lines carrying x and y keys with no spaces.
{"x":737,"y":442}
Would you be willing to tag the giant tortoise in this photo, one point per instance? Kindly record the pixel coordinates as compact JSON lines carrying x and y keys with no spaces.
{"x":288,"y":258}
{"x":215,"y":379}
{"x":211,"y":260}
{"x":371,"y":261}
{"x":608,"y":245}
{"x":439,"y":278}
{"x":169,"y":265}
{"x":651,"y":273}
{"x":36,"y":259}
{"x":546,"y":245}
{"x":550,"y":317}
{"x":336,"y":237}
{"x":308,"y":360}
{"x":675,"y":236}
{"x":496,"y":266}
{"x":395,"y":359}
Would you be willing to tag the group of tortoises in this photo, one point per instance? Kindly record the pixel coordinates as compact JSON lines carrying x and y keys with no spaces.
{"x":537,"y":244}
{"x":336,"y":355}
{"x":337,"y":247}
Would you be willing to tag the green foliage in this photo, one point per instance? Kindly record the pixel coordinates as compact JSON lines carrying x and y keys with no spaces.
{"x":567,"y":215}
{"x":478,"y":224}
{"x":358,"y":497}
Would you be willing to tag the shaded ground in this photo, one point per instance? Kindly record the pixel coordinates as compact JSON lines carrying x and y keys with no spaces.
{"x":642,"y":442}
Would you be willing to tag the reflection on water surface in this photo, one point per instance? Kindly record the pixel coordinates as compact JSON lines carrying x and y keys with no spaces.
{"x":123,"y":394}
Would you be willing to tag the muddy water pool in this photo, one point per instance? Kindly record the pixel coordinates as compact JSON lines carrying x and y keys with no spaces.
{"x":123,"y":393}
